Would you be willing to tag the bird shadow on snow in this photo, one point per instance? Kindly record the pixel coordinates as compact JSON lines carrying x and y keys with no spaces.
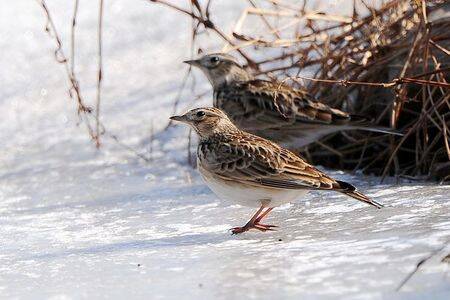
{"x":155,"y":244}
{"x":152,"y":198}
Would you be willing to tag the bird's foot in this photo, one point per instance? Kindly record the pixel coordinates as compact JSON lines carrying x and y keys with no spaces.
{"x":237,"y":230}
{"x":264,"y":227}
{"x":258,"y":226}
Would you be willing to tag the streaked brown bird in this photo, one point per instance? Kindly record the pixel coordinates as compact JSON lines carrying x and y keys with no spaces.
{"x":273,"y":110}
{"x":252,"y":171}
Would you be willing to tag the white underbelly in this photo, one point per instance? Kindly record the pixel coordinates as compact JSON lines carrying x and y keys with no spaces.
{"x":249,"y":195}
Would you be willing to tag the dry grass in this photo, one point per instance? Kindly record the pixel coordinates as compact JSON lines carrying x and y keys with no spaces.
{"x":89,"y":116}
{"x":390,"y":62}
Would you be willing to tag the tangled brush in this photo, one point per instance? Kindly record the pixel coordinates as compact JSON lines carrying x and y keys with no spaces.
{"x":389,"y":61}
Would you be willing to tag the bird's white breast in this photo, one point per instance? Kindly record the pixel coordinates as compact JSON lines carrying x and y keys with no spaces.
{"x":248,"y":195}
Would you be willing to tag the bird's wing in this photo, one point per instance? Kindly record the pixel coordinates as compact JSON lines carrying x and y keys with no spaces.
{"x":255,"y":161}
{"x":270,"y":105}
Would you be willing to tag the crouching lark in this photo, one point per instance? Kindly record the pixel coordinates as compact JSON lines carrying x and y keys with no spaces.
{"x":273,"y":110}
{"x":252,"y":171}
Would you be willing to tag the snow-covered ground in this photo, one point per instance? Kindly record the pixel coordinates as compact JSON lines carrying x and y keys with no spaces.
{"x":78,"y":223}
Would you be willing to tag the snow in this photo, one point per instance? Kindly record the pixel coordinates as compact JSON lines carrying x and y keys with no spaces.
{"x":78,"y":223}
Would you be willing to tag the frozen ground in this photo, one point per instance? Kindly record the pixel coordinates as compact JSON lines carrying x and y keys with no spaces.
{"x":76,"y":223}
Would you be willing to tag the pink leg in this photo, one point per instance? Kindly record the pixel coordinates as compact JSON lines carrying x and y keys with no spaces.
{"x":249,"y":224}
{"x":263,"y":215}
{"x":264,"y":227}
{"x":254,"y":222}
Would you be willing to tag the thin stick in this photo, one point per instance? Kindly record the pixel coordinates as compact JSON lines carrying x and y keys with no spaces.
{"x":390,"y":84}
{"x":69,"y":67}
{"x":189,"y":148}
{"x":100,"y":74}
{"x":72,"y":38}
{"x":418,"y":266}
{"x":152,"y":136}
{"x":126,"y":147}
{"x":266,"y":22}
{"x":209,"y":25}
{"x":178,"y":96}
{"x":74,"y":90}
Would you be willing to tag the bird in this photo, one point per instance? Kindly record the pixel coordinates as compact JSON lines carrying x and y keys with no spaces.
{"x":273,"y":110}
{"x":252,"y":171}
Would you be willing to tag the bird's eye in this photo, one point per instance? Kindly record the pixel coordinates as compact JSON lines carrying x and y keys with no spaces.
{"x":214,"y":59}
{"x":200,"y":114}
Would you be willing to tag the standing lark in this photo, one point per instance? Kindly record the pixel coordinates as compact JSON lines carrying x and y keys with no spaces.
{"x":272,"y":110}
{"x":252,"y":171}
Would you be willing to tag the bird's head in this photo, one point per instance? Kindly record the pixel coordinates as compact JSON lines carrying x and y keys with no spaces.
{"x":207,"y":121}
{"x":220,"y":68}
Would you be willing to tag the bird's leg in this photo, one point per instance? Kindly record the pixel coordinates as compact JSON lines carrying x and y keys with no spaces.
{"x":264,"y":227}
{"x":254,"y":222}
{"x":261,"y":216}
{"x":250,"y":224}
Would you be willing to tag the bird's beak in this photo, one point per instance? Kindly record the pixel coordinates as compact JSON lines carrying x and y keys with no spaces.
{"x":194,"y":62}
{"x":182,"y":118}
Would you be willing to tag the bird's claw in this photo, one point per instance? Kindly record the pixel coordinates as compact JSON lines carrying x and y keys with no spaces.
{"x":260,"y":227}
{"x":237,"y":230}
{"x":263,"y":227}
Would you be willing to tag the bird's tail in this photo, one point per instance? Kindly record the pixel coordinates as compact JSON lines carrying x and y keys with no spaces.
{"x":362,"y":123}
{"x":381,"y":129}
{"x":350,"y":190}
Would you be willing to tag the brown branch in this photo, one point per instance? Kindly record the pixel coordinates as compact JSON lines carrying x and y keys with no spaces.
{"x":439,"y":47}
{"x":74,"y":90}
{"x":99,"y":74}
{"x":72,"y":38}
{"x":390,"y":84}
{"x":411,"y":130}
{"x":418,"y":266}
{"x":208,"y":25}
{"x":126,"y":147}
{"x":69,"y":66}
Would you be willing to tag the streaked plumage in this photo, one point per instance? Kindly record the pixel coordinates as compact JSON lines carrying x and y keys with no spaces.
{"x":273,"y":110}
{"x":251,"y":170}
